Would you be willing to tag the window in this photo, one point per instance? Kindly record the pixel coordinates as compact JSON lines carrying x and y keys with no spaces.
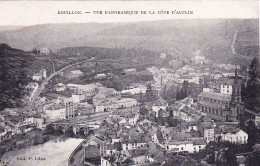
{"x":181,"y":148}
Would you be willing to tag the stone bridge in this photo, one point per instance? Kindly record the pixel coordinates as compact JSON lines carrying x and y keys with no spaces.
{"x":75,"y":127}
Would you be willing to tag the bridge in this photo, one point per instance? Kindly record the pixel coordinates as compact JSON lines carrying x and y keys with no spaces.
{"x":75,"y":127}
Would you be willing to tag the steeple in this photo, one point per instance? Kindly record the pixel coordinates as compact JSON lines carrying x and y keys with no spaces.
{"x":236,"y":76}
{"x":236,"y":89}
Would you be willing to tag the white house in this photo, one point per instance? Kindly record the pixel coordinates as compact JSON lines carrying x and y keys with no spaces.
{"x":186,"y":146}
{"x":131,"y":145}
{"x":44,"y":51}
{"x":60,"y":87}
{"x":207,"y":130}
{"x":43,"y":72}
{"x":39,"y":123}
{"x":236,"y":136}
{"x":100,"y":76}
{"x":37,"y":77}
{"x":105,"y":161}
{"x":55,"y":114}
{"x":180,"y":146}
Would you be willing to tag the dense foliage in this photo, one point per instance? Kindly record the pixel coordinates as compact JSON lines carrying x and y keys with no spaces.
{"x":13,"y":75}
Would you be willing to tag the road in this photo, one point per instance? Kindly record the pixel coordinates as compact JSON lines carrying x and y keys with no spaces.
{"x":46,"y":81}
{"x":234,"y":50}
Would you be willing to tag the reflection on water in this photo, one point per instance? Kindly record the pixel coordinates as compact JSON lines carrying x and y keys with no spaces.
{"x":51,"y":153}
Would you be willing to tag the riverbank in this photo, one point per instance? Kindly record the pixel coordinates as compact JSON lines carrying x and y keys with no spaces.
{"x":31,"y":138}
{"x":54,"y":153}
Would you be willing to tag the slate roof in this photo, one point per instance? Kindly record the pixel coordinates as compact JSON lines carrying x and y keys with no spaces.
{"x":217,"y":96}
{"x":160,"y":102}
{"x":199,"y":141}
{"x":160,"y":137}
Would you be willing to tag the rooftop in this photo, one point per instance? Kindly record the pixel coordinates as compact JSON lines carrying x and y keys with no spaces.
{"x":217,"y":96}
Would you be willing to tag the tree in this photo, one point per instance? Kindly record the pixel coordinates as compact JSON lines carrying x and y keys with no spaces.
{"x":252,"y":90}
{"x":252,"y":133}
{"x":242,"y":119}
{"x":253,"y":159}
{"x":230,"y":158}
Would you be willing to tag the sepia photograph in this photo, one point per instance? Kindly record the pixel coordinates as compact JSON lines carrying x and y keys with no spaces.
{"x":129,"y":83}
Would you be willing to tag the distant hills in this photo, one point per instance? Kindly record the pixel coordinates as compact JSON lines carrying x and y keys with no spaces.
{"x":181,"y":38}
{"x":9,"y":27}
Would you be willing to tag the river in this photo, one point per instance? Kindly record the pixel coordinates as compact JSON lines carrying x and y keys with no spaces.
{"x":52,"y":153}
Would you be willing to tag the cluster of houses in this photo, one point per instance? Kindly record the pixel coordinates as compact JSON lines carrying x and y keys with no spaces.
{"x":131,"y":138}
{"x":15,"y":121}
{"x":42,"y":74}
{"x":85,"y":99}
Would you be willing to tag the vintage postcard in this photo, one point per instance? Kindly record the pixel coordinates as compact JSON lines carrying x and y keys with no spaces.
{"x":121,"y":83}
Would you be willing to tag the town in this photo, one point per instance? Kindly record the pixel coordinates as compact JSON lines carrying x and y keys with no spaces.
{"x":188,"y":111}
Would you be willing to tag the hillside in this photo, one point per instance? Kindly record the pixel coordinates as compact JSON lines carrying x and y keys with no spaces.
{"x":14,"y":66}
{"x":179,"y":37}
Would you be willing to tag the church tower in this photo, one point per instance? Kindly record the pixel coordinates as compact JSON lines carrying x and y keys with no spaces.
{"x":236,"y":90}
{"x":236,"y":104}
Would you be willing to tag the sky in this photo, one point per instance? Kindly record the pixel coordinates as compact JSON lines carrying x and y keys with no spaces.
{"x":25,"y":13}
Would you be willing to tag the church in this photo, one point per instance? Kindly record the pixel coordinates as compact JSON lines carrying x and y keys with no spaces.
{"x":220,"y":106}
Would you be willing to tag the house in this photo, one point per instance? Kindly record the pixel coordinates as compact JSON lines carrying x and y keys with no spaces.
{"x":60,"y":87}
{"x":85,"y":108}
{"x":166,"y":132}
{"x":160,"y":104}
{"x":234,"y":136}
{"x":138,"y":156}
{"x":128,"y":71}
{"x":108,"y":94}
{"x":55,"y":112}
{"x":40,"y":123}
{"x":226,"y":86}
{"x":131,"y":143}
{"x":180,"y":146}
{"x":43,"y":72}
{"x":157,"y":138}
{"x":199,"y":144}
{"x":44,"y":51}
{"x":87,"y":91}
{"x":107,"y":161}
{"x":74,"y":74}
{"x":37,"y":77}
{"x":191,"y":146}
{"x":3,"y":133}
{"x":207,"y":131}
{"x":100,"y":76}
{"x":40,"y":76}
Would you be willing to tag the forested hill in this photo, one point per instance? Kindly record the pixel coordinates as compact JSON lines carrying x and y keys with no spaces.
{"x":14,"y":66}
